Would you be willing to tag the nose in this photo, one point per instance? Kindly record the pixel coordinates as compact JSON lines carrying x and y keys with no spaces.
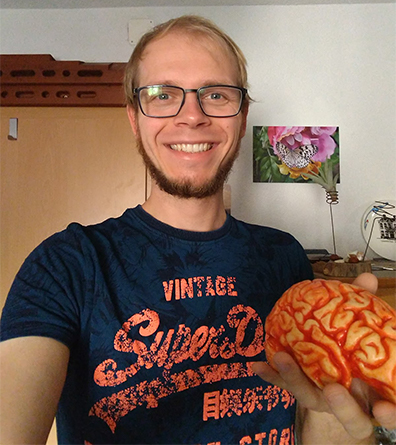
{"x":191,"y":112}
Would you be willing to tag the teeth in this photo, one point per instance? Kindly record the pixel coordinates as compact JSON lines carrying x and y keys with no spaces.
{"x":191,"y":148}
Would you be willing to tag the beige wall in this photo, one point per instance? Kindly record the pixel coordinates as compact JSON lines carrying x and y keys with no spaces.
{"x":327,"y":64}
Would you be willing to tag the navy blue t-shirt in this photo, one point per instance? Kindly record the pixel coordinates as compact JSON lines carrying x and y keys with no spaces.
{"x":163,"y":325}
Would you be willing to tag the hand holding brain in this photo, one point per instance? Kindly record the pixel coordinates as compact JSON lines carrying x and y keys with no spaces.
{"x":336,"y":332}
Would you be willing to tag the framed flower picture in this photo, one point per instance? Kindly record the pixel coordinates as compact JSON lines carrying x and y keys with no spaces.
{"x":296,"y":154}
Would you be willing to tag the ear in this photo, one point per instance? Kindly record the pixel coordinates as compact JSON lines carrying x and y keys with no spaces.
{"x":132,"y":116}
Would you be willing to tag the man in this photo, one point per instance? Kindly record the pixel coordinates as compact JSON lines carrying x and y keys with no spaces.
{"x":147,"y":327}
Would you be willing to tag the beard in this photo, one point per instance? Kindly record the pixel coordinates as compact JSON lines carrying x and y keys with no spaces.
{"x":186,"y":188}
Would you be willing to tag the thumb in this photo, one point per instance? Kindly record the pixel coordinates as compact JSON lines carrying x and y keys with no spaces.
{"x":367,"y":281}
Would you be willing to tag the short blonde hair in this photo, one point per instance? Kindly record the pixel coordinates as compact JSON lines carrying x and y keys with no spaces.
{"x":188,"y":23}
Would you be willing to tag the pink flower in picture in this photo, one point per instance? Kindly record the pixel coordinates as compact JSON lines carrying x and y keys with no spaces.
{"x":295,"y":137}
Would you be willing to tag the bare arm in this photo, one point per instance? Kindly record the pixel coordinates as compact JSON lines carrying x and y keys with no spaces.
{"x":33,"y":372}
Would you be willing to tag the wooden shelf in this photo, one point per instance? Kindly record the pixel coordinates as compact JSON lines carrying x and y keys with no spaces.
{"x":41,"y":81}
{"x":386,"y":285}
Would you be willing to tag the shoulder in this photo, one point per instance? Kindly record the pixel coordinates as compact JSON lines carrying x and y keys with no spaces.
{"x":267,"y":244}
{"x":81,"y":238}
{"x":265,"y":233}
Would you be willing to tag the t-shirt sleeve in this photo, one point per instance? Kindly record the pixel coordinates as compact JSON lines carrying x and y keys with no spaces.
{"x":305,"y":267}
{"x":294,"y":265}
{"x":46,"y":297}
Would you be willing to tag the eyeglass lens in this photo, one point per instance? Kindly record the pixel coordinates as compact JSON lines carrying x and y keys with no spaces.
{"x":166,"y":101}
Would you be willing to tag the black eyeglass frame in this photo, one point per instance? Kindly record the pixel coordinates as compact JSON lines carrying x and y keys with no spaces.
{"x":136,"y":92}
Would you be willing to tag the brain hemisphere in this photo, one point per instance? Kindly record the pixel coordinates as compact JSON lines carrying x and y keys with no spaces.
{"x":336,"y":332}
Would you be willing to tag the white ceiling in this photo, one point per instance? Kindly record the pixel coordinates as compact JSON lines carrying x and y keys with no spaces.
{"x":66,"y":4}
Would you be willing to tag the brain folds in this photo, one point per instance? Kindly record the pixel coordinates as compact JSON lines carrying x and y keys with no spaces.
{"x":336,"y":331}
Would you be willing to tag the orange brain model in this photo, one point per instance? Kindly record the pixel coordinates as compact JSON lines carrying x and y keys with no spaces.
{"x":336,"y":332}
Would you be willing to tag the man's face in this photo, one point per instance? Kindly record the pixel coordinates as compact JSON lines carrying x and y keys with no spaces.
{"x":191,"y":154}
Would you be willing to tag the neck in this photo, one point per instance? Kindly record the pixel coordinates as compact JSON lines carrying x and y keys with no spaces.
{"x":198,"y":215}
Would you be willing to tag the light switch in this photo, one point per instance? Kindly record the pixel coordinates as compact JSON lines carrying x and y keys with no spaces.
{"x":13,"y":129}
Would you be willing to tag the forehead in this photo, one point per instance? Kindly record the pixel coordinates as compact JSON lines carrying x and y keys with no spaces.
{"x":187,"y":57}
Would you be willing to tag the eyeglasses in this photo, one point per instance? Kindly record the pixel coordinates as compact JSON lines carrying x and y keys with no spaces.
{"x":168,"y":100}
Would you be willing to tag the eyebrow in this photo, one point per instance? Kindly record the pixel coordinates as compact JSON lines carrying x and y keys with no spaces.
{"x":204,"y":84}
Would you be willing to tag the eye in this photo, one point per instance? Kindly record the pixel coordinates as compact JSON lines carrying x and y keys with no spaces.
{"x":215,"y":96}
{"x":163,"y":96}
{"x":220,"y":95}
{"x":159,"y":93}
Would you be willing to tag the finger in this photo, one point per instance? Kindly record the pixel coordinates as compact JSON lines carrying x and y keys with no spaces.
{"x":385,"y":414}
{"x":267,"y":373}
{"x":367,"y":281}
{"x":363,"y":394}
{"x":307,"y":393}
{"x":291,"y":377}
{"x":348,"y":411}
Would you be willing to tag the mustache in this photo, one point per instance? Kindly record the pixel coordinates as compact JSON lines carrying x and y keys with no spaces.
{"x":184,"y":188}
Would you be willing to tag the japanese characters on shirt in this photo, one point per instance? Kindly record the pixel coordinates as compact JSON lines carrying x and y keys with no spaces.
{"x":185,"y":344}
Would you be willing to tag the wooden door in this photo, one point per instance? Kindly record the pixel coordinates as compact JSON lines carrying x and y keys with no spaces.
{"x":67,"y":164}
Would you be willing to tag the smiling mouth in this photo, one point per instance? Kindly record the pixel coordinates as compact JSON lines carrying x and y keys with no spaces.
{"x":191,"y":148}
